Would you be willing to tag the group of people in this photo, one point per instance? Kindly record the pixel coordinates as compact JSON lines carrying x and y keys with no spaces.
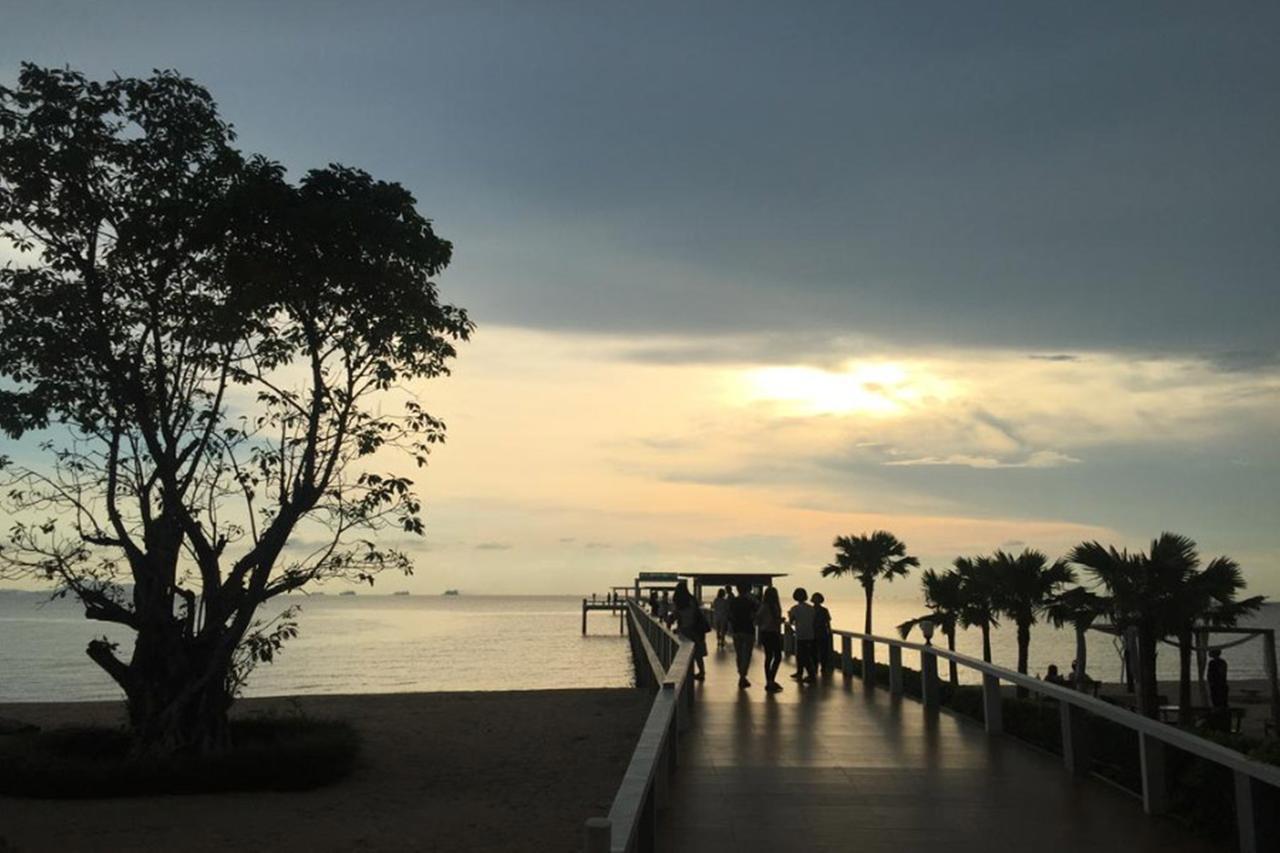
{"x":1076,"y":679}
{"x":749,"y":621}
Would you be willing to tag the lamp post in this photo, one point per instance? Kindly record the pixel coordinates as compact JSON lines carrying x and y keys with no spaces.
{"x":930,"y":693}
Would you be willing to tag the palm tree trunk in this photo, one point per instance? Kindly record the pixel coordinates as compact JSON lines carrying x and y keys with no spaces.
{"x":986,"y":641}
{"x":1024,"y":646}
{"x":869,"y":589}
{"x":1148,"y":687}
{"x":1184,"y":677}
{"x":951,"y":646}
{"x":1082,"y":655}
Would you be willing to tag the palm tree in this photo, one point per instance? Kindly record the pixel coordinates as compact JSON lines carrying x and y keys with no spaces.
{"x":1132,"y":604}
{"x":1160,"y":594}
{"x":1028,"y":582}
{"x":1077,"y":607}
{"x":943,"y":596}
{"x":978,"y":598}
{"x":1206,"y":598}
{"x":869,"y":558}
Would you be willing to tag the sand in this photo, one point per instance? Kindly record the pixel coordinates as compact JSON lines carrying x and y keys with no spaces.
{"x":509,"y":771}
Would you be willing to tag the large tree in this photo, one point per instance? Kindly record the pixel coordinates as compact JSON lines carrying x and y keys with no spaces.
{"x":869,"y":558}
{"x":206,"y":354}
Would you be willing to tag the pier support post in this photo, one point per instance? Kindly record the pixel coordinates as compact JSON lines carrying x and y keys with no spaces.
{"x":1075,"y":739}
{"x":930,"y":689}
{"x":584,"y":617}
{"x":869,"y":662}
{"x":1155,"y":784}
{"x":895,"y":670}
{"x":598,"y":836}
{"x":992,"y":705}
{"x":846,"y":655}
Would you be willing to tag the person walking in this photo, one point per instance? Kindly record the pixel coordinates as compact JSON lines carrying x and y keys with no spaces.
{"x":742,"y":622}
{"x":1219,"y":691}
{"x":720,"y":616}
{"x":692,"y":625}
{"x":821,"y":635}
{"x":801,"y":618}
{"x":769,"y":621}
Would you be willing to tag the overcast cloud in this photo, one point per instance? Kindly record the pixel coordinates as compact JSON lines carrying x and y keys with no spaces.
{"x":1009,"y":174}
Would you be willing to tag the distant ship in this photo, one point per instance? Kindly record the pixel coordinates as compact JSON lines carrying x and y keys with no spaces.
{"x":348,"y":592}
{"x":401,"y":592}
{"x":450,"y":592}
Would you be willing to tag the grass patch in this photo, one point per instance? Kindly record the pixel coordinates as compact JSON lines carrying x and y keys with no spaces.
{"x":270,"y":753}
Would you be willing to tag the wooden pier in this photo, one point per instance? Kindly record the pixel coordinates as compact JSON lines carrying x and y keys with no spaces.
{"x":853,"y":762}
{"x":616,"y":605}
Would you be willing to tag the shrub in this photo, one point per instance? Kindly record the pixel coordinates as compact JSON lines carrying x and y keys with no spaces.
{"x":281,"y":754}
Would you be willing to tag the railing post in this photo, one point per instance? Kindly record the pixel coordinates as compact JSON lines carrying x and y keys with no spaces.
{"x":1155,"y":785}
{"x":598,"y":835}
{"x":1075,"y":746}
{"x":869,"y":662}
{"x":895,"y":670}
{"x":846,"y":654}
{"x":1255,"y":819}
{"x":929,"y":688}
{"x":992,"y":705}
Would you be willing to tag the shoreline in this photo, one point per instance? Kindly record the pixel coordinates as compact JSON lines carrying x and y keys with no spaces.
{"x":455,"y":770}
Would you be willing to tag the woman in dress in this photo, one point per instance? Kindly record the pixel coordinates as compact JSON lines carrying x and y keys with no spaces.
{"x":720,"y":616}
{"x":769,"y":621}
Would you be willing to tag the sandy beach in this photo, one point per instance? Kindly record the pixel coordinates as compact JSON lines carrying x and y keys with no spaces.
{"x":482,"y":771}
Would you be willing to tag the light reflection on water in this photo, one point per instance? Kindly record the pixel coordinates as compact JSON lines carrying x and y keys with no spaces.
{"x":348,"y":644}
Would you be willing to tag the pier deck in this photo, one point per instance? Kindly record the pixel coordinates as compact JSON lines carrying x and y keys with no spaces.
{"x":837,"y":767}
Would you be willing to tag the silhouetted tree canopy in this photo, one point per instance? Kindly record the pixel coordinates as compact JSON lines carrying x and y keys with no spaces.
{"x":199,"y":344}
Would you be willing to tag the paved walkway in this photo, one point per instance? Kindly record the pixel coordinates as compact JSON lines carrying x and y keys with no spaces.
{"x":836,"y":767}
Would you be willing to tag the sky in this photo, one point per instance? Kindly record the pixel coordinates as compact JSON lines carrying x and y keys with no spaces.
{"x":748,"y":276}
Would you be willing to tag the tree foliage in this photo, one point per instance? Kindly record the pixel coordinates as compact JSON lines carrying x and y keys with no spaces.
{"x":1163,"y":592}
{"x":198,"y":343}
{"x":869,"y":558}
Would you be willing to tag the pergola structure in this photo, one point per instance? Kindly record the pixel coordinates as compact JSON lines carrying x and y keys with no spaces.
{"x":1203,"y":644}
{"x":758,"y":581}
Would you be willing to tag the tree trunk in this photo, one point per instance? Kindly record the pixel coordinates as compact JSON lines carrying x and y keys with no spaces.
{"x":1082,"y":657}
{"x":1184,"y":678}
{"x":1148,"y":687}
{"x":986,"y":641}
{"x":951,"y":646}
{"x":177,"y":695}
{"x":1024,"y":645}
{"x":869,"y":589}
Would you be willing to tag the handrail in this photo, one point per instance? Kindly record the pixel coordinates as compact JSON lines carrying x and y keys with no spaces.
{"x":1162,"y":731}
{"x":630,"y":823}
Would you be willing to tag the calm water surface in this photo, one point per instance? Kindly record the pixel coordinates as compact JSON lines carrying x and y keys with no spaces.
{"x":347,"y":644}
{"x":381,"y":644}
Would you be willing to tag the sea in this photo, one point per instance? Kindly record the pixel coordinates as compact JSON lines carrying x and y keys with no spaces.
{"x":369,"y":643}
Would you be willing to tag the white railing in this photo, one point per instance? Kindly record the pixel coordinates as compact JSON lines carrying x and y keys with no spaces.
{"x":664,"y":663}
{"x":1255,"y":822}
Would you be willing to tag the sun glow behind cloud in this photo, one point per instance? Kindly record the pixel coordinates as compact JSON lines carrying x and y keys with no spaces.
{"x":873,"y":389}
